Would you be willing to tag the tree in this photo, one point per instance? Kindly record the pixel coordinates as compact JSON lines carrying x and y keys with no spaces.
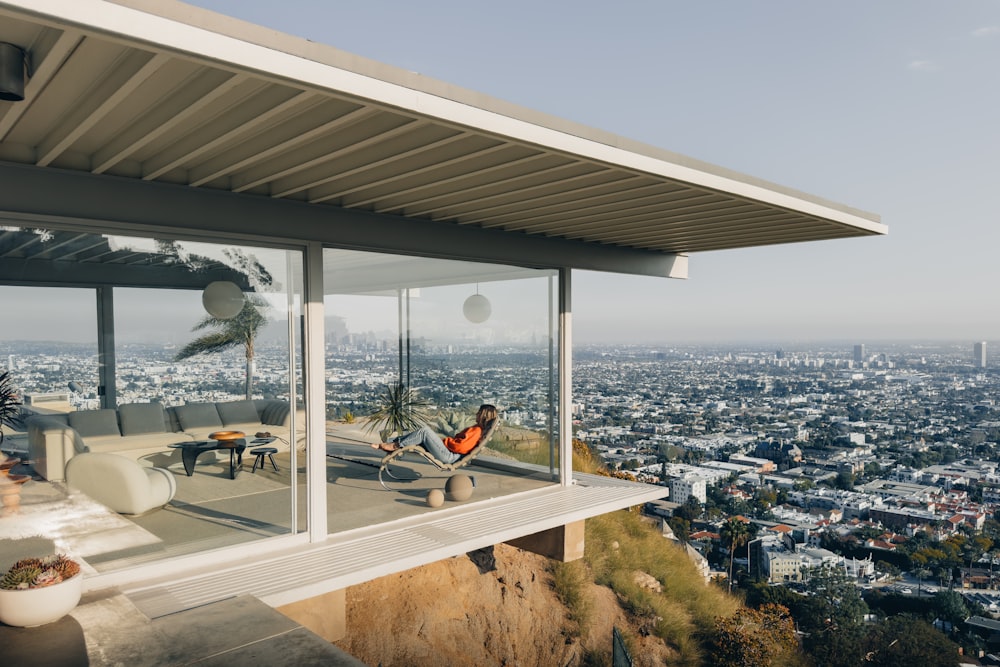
{"x":951,"y":606}
{"x":690,"y":509}
{"x":755,"y":638}
{"x":921,"y":573}
{"x":903,"y":640}
{"x":837,"y":601}
{"x":836,"y":647}
{"x":681,"y":527}
{"x":238,"y":331}
{"x":844,"y":481}
{"x":735,"y":533}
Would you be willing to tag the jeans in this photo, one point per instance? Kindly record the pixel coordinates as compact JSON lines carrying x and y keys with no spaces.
{"x":431,"y":441}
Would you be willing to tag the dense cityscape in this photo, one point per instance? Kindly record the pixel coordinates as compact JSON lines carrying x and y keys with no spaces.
{"x":875,"y":461}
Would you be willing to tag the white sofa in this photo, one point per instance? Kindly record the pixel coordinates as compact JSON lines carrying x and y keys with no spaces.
{"x":119,"y":483}
{"x":136,"y":430}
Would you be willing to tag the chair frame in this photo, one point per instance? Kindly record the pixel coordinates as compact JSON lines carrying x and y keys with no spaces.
{"x":461,"y":462}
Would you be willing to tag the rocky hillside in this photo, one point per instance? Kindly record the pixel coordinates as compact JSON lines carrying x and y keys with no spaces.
{"x":449,"y":613}
{"x":514,"y":608}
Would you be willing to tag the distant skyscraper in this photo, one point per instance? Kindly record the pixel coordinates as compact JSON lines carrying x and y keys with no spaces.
{"x":979,"y":355}
{"x":859,"y":353}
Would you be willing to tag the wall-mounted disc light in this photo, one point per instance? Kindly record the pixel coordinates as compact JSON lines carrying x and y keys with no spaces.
{"x":222,"y":299}
{"x":477,"y":308}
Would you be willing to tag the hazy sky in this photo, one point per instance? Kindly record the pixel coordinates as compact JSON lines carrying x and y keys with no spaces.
{"x":890,"y":107}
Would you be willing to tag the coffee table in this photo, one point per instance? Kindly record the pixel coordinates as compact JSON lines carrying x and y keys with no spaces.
{"x":191,"y":450}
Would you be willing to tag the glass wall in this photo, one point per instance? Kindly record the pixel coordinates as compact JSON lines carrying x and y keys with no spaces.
{"x":168,"y":387}
{"x":452,"y":336}
{"x":29,"y":328}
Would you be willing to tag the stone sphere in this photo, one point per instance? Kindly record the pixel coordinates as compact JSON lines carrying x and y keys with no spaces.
{"x":435,"y":498}
{"x":458,"y":487}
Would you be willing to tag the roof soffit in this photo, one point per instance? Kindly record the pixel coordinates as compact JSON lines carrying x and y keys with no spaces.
{"x":131,"y":94}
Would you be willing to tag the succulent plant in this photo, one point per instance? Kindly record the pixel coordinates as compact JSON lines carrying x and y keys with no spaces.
{"x":38,"y":572}
{"x":19,"y":576}
{"x":452,"y":422}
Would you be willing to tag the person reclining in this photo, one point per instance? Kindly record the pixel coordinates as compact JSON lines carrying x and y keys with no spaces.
{"x":446,"y":450}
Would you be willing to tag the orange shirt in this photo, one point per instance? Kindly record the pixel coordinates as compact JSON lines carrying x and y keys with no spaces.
{"x":464,"y":441}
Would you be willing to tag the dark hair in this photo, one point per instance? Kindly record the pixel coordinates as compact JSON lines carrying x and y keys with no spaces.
{"x":486,"y":414}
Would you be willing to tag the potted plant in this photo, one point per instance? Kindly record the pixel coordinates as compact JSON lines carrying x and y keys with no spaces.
{"x":10,"y":403}
{"x":36,"y":591}
{"x":399,"y":410}
{"x":10,"y":413}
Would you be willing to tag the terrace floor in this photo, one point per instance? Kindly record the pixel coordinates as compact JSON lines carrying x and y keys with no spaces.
{"x":373,"y":532}
{"x":106,"y":630}
{"x":211,"y":511}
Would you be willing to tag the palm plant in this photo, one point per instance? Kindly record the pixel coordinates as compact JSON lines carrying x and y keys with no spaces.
{"x":734,"y":534}
{"x":239,"y":331}
{"x":399,"y":410}
{"x":921,"y":573}
{"x":10,"y":404}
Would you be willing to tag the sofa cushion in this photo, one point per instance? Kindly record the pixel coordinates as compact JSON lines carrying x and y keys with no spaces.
{"x":238,"y":412}
{"x":275,"y":413}
{"x":95,"y":422}
{"x":194,"y":416}
{"x":138,"y":418}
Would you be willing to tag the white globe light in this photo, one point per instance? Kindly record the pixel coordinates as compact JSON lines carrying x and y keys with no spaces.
{"x":477,"y":308}
{"x":222,"y":299}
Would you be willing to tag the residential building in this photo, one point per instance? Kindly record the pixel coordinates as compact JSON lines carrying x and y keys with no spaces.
{"x":689,"y":485}
{"x":760,"y":465}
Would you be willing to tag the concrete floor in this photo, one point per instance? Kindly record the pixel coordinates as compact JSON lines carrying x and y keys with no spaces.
{"x":211,"y":511}
{"x":106,"y":630}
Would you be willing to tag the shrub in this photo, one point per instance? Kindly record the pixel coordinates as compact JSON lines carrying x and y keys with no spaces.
{"x":571,"y":581}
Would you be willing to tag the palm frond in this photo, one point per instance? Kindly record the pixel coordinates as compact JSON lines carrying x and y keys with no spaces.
{"x":216,"y":341}
{"x":238,"y":331}
{"x":10,"y":404}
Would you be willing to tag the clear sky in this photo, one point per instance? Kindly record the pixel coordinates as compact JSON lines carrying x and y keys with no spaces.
{"x":891,"y":107}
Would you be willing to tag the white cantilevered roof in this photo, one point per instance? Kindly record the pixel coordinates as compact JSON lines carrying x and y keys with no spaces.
{"x":162,"y":91}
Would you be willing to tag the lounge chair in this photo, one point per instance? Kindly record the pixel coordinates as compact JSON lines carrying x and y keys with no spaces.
{"x":467,"y":458}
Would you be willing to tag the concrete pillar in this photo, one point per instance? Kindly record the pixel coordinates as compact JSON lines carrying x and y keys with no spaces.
{"x":562,"y":543}
{"x":325,"y":615}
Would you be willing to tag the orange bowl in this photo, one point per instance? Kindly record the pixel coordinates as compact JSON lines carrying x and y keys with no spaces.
{"x":227,"y":435}
{"x":18,"y":479}
{"x":7,"y":464}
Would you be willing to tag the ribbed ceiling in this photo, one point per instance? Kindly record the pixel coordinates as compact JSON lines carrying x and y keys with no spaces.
{"x":112,"y":103}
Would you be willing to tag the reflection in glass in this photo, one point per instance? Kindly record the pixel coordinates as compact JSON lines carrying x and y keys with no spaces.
{"x":163,"y":381}
{"x":394,"y":319}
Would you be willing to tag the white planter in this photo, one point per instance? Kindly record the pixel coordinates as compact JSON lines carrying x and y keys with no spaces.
{"x":37,"y":606}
